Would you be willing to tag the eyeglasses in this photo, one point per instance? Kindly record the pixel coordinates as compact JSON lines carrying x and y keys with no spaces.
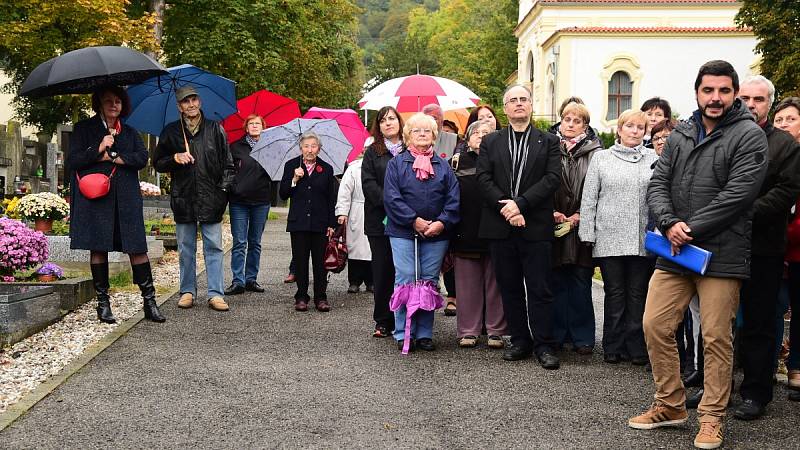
{"x":661,"y":138}
{"x":421,"y":131}
{"x":516,"y":100}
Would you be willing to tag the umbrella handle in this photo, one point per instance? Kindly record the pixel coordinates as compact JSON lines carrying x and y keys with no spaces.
{"x":416,"y":260}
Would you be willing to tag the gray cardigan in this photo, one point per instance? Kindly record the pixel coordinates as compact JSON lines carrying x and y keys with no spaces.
{"x":614,"y":205}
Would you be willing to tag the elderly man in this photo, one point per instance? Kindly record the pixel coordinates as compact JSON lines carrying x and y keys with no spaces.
{"x":194,"y":151}
{"x":702,"y":192}
{"x":519,"y":171}
{"x":445,"y":142}
{"x":759,"y":296}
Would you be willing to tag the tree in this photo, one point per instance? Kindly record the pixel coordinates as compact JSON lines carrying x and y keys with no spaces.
{"x":34,"y":31}
{"x":306,"y":50}
{"x":777,"y":26}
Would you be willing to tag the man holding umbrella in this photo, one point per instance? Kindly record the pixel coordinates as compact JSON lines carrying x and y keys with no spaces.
{"x":194,"y":151}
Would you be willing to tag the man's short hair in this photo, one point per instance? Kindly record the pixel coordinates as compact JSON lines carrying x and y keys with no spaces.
{"x":717,"y":68}
{"x":765,"y":81}
{"x":530,"y":94}
{"x":660,"y":103}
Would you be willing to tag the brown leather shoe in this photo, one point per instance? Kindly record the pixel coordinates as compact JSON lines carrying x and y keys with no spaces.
{"x":289,"y":278}
{"x":301,"y":305}
{"x":186,"y":301}
{"x":218,"y":304}
{"x":323,"y":306}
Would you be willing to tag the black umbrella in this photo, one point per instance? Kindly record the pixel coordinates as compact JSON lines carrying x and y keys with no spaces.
{"x":81,"y":71}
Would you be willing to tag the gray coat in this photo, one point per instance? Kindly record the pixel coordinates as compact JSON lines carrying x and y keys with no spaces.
{"x":711,"y":185}
{"x":614,"y":203}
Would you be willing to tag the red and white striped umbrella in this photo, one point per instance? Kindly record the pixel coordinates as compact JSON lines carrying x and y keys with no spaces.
{"x":412,"y":93}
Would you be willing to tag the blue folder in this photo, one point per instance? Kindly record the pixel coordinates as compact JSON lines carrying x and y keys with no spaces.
{"x":691,"y":257}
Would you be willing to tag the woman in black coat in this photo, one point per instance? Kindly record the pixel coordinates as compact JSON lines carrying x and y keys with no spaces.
{"x":114,"y":222}
{"x":387,"y":141}
{"x":310,"y":183}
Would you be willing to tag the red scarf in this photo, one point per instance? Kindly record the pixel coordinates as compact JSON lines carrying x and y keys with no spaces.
{"x":422,"y":162}
{"x":116,"y":129}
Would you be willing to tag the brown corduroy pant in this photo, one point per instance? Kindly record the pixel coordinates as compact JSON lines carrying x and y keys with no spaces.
{"x":478,"y":297}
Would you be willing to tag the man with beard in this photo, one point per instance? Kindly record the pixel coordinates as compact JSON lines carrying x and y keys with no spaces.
{"x":770,"y":219}
{"x":702,"y":192}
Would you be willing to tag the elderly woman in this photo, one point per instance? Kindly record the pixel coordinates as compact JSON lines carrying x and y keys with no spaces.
{"x":350,"y":213}
{"x":249,"y":208}
{"x":420,"y":195}
{"x":387,"y":141}
{"x":114,"y":222}
{"x":309,"y":182}
{"x":614,"y":220}
{"x":572,"y":260}
{"x":656,"y":110}
{"x":479,"y":303}
{"x":787,"y":116}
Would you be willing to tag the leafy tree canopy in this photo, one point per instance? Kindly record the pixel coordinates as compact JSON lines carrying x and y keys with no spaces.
{"x":34,"y":31}
{"x":777,"y":26}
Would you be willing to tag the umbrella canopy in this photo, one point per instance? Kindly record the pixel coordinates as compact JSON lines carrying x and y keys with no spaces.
{"x":153,"y":103}
{"x":81,"y":71}
{"x":275,"y":109}
{"x":349,"y":123}
{"x":412,"y":93}
{"x":279,"y":144}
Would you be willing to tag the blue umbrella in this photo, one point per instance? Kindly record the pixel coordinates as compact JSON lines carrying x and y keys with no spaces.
{"x":153,"y":103}
{"x":279,"y":144}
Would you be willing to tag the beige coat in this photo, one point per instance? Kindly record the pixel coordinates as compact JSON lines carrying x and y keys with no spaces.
{"x":350,"y":203}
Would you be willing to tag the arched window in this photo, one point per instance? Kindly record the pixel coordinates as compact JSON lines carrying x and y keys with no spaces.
{"x":620,"y":92}
{"x":530,"y":67}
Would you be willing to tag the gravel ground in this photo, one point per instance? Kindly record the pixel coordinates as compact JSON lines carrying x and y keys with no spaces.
{"x":28,"y":363}
{"x":264,"y":376}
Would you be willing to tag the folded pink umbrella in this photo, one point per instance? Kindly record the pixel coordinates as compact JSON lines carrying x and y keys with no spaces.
{"x":419,"y":295}
{"x":349,"y":123}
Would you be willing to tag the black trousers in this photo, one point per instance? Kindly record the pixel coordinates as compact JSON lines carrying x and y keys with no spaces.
{"x":759,"y":301}
{"x":383,"y":279}
{"x":794,"y":302}
{"x":359,"y":271}
{"x":450,"y":281}
{"x":625,"y":280}
{"x":523,"y":270}
{"x":305,"y":243}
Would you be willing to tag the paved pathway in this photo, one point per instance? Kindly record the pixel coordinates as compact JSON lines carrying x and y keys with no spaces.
{"x":264,"y":376}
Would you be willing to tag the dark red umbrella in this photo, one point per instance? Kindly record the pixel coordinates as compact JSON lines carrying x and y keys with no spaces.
{"x":275,"y":109}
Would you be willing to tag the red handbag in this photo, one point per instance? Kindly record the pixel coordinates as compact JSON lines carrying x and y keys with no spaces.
{"x":95,"y":185}
{"x":336,"y":251}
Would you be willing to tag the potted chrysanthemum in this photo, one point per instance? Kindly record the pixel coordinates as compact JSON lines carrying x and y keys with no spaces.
{"x":20,"y":248}
{"x":43,"y":208}
{"x":49,"y":272}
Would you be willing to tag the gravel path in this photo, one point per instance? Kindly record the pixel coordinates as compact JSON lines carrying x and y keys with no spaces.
{"x":264,"y":376}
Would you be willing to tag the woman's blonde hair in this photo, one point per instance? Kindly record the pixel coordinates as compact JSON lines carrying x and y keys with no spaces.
{"x":417,"y":120}
{"x":579,"y":110}
{"x":630,"y":115}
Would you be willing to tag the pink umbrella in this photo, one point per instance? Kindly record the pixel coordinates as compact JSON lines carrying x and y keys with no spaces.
{"x":412,"y":93}
{"x":275,"y":109}
{"x":419,"y":295}
{"x":349,"y":123}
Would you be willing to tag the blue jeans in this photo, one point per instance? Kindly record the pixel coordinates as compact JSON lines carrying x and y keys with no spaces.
{"x":431,"y":254}
{"x":186,"y":234}
{"x":574,"y":311}
{"x":247,"y":226}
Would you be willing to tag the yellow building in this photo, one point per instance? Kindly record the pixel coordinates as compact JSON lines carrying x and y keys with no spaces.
{"x":615,"y":54}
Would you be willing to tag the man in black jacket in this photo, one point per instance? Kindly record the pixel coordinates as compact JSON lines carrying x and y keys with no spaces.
{"x":702,"y":192}
{"x":519,"y":170}
{"x":759,"y":295}
{"x":194,"y":151}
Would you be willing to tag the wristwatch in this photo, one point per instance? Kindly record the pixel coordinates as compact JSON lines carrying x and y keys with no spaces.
{"x":113,"y":155}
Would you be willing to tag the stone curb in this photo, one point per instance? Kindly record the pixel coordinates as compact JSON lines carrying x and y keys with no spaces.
{"x":27,"y":402}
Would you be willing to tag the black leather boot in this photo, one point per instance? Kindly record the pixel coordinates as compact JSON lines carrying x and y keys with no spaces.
{"x":100,"y":280}
{"x":143,"y":276}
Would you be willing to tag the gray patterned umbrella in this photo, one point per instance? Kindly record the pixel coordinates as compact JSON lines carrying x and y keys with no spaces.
{"x":279,"y":144}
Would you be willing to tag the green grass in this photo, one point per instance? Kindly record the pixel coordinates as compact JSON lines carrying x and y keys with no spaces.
{"x":273,"y":216}
{"x":597,"y":275}
{"x":122,"y":280}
